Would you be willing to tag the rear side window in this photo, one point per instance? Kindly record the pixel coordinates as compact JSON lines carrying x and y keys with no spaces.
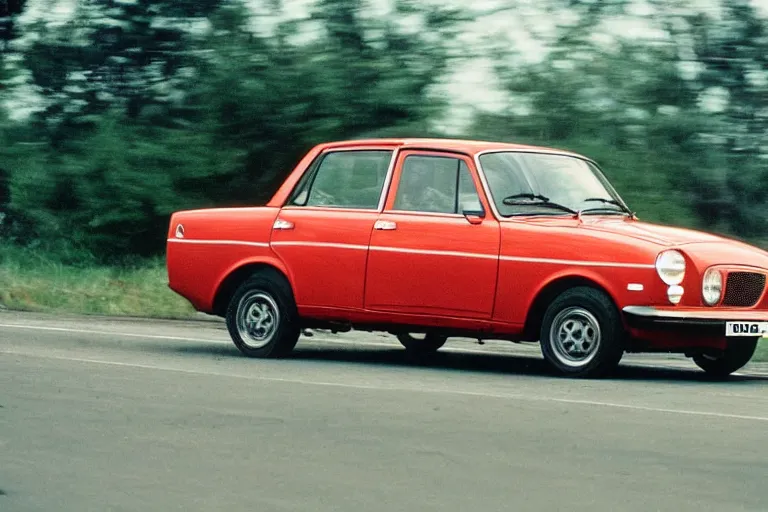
{"x":345,"y":179}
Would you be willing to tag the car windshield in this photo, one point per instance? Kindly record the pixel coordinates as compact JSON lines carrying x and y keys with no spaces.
{"x":532,"y":183}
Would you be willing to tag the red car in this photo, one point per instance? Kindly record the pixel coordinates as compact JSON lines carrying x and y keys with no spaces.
{"x":432,"y":238}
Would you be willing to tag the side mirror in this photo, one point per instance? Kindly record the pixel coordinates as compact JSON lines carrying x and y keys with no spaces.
{"x":474,"y":216}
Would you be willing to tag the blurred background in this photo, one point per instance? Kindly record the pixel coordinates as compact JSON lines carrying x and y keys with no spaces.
{"x":114,"y":113}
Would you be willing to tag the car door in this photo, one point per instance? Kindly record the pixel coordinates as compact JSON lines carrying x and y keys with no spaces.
{"x":323,"y":231}
{"x":426,"y":257}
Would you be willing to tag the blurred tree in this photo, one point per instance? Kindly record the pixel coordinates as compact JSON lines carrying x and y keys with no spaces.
{"x":335,"y":75}
{"x":733,"y":54}
{"x":113,"y":54}
{"x":142,"y":120}
{"x":9,"y":11}
{"x":112,"y":81}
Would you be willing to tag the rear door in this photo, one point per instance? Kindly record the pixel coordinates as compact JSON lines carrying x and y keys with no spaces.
{"x":426,"y":256}
{"x":323,"y":231}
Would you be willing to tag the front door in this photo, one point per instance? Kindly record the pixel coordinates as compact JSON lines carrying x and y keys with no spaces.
{"x":322,"y":232}
{"x":426,"y":256}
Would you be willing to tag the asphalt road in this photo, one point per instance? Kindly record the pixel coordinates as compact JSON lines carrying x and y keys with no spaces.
{"x":99,"y":414}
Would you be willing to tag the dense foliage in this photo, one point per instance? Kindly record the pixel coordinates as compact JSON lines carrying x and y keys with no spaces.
{"x":144,"y":107}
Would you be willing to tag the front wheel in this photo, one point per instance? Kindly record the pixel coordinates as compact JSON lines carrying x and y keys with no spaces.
{"x":262,"y":319}
{"x":735,"y":356}
{"x":582,"y":334}
{"x":424,"y":344}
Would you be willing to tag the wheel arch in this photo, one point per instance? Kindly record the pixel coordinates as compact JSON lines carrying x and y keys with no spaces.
{"x":235,"y":276}
{"x":551,"y":289}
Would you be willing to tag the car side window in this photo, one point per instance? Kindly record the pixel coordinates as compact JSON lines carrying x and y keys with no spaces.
{"x":345,"y":179}
{"x":436,"y":184}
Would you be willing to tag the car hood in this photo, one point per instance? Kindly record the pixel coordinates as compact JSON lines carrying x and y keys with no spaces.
{"x":704,"y":248}
{"x":666,"y":236}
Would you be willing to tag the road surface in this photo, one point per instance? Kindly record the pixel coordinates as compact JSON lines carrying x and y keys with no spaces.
{"x":102,"y":414}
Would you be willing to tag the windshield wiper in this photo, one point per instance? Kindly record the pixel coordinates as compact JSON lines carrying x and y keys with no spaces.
{"x":606,"y":201}
{"x":510,"y":200}
{"x":604,"y":209}
{"x":535,"y":200}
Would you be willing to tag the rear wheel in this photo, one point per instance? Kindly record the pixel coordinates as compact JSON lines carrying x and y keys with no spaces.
{"x":421,"y":343}
{"x":582,"y":334}
{"x":735,"y":356}
{"x":262,"y":318}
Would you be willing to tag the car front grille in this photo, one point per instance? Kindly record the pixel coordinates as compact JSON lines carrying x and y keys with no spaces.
{"x":743,"y":289}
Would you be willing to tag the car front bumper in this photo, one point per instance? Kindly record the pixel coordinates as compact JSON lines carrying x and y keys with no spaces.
{"x":711,"y":322}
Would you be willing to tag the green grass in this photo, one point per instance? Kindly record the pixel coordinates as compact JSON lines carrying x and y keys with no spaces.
{"x":30,"y":282}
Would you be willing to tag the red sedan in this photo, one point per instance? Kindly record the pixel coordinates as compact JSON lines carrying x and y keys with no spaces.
{"x":433,"y":238}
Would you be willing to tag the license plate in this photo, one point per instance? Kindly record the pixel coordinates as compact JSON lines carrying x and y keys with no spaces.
{"x":746,"y":328}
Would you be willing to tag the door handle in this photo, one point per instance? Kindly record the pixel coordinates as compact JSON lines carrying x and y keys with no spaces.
{"x":385,"y":225}
{"x":282,"y":224}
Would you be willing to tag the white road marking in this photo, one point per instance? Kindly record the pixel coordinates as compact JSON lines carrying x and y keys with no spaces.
{"x":442,"y":391}
{"x":107,"y":333}
{"x":310,"y":339}
{"x":227,"y":340}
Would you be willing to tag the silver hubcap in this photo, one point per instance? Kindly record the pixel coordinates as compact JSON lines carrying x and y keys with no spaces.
{"x":257,"y":319}
{"x":575,"y":336}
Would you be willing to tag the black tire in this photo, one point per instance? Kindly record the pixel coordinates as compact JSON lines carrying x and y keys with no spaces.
{"x":735,"y":356}
{"x":582,"y":334}
{"x":430,"y":344}
{"x":263,"y":293}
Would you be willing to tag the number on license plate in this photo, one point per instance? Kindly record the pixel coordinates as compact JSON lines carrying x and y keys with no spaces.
{"x":746,"y":328}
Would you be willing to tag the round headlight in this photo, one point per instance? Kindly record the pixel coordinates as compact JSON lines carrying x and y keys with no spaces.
{"x":712,"y":287}
{"x":670,"y":265}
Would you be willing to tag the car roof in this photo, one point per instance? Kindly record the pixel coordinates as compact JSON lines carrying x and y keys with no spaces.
{"x":468,"y":146}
